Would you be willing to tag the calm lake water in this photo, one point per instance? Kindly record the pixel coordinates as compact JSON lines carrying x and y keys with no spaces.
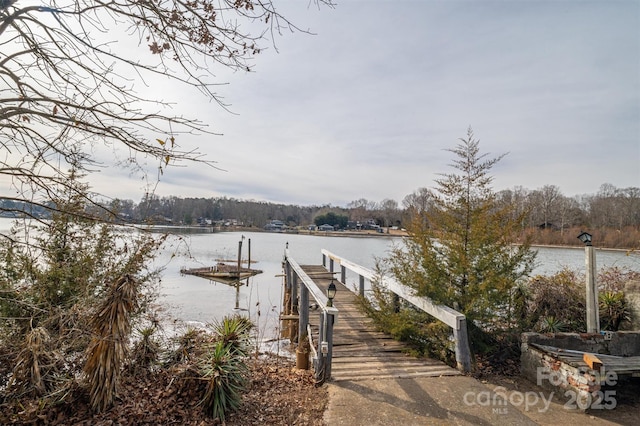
{"x":194,"y":299}
{"x":197,"y":299}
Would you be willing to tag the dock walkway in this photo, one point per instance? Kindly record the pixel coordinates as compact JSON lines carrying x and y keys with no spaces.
{"x":362,"y":352}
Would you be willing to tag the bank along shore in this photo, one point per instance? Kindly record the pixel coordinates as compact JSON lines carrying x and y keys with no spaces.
{"x":398,"y":233}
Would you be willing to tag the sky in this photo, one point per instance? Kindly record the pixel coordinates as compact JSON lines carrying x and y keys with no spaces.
{"x":368,"y":105}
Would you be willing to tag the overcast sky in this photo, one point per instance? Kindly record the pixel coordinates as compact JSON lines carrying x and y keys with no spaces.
{"x":368,"y":106}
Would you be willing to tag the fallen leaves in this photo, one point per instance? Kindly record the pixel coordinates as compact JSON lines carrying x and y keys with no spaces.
{"x":277,"y":394}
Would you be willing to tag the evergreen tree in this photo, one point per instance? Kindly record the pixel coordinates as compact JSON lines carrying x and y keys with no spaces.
{"x":460,"y":251}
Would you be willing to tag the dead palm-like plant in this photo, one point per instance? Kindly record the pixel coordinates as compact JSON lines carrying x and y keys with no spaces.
{"x":32,"y":364}
{"x":188,"y":346}
{"x":146,"y":351}
{"x":107,"y":351}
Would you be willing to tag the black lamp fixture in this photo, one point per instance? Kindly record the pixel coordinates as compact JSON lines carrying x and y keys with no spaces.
{"x":331,"y":293}
{"x":585,"y":237}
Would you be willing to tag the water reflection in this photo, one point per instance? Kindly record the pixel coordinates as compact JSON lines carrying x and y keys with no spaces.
{"x":196,"y":299}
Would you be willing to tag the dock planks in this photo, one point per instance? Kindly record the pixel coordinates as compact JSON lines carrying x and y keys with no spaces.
{"x":362,"y":352}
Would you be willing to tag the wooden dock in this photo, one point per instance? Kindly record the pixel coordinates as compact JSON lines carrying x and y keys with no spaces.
{"x":222,"y":272}
{"x":362,"y":352}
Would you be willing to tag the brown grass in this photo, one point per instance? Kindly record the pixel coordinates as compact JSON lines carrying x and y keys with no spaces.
{"x":627,"y":238}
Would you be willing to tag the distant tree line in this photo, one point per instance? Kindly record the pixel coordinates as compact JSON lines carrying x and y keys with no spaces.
{"x":546,"y":207}
{"x":612,"y":213}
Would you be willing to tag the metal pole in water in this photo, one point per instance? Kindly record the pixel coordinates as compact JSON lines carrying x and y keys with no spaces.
{"x":238,"y":279}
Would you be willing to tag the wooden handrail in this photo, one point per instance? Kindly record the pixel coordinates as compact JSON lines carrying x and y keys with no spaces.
{"x":454,"y":319}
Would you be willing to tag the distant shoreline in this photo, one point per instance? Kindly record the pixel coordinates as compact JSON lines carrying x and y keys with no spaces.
{"x":394,"y":233}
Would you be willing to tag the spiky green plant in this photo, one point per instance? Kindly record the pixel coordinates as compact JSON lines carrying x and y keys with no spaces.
{"x":551,"y":324}
{"x":234,"y":332}
{"x":614,"y":310}
{"x":225,"y":372}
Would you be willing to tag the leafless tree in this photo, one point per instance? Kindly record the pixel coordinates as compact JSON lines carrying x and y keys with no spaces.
{"x":390,"y":213}
{"x":69,"y":73}
{"x":361,"y":209}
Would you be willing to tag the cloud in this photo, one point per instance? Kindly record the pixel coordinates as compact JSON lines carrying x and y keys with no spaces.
{"x":367,"y":107}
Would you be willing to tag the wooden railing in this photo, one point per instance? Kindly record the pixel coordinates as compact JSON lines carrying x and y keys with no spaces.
{"x":296,"y":309}
{"x":452,"y":318}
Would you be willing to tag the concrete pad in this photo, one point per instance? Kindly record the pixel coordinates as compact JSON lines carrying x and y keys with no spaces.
{"x":418,"y":401}
{"x":454,"y":400}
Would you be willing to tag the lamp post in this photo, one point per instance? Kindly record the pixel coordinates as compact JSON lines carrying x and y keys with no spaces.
{"x":331,"y":293}
{"x":593,"y":320}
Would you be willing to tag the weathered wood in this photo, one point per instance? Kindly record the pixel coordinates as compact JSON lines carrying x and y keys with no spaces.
{"x":443,"y":313}
{"x":302,"y":286}
{"x":303,"y":310}
{"x":289,"y":317}
{"x":593,"y":320}
{"x":592,"y":361}
{"x":451,"y":317}
{"x":621,"y":365}
{"x":314,"y":291}
{"x":360,"y":351}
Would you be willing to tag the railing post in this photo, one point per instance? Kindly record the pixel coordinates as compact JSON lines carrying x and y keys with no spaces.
{"x":321,"y":360}
{"x":343,"y":274}
{"x":361,"y":286}
{"x":287,"y":288}
{"x":463,"y":353}
{"x":302,"y":351}
{"x":329,"y":338}
{"x":303,"y":319}
{"x":294,"y":308}
{"x":285,"y":331}
{"x":331,"y":265}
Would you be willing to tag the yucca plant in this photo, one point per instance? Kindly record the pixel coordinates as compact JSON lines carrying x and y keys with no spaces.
{"x":234,"y":332}
{"x":146,"y":350}
{"x":614,"y":310}
{"x":107,"y":351}
{"x":550,"y":324}
{"x":188,"y":346}
{"x":225,"y":372}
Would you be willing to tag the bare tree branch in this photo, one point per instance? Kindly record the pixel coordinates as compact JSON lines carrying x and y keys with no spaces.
{"x":68,"y":78}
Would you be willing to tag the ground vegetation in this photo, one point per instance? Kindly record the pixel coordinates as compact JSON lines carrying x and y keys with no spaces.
{"x":76,"y":293}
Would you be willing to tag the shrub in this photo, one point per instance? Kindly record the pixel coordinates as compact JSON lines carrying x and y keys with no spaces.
{"x":224,"y":367}
{"x":555,"y":301}
{"x":613,"y":310}
{"x":108,"y":348}
{"x":225,"y":373}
